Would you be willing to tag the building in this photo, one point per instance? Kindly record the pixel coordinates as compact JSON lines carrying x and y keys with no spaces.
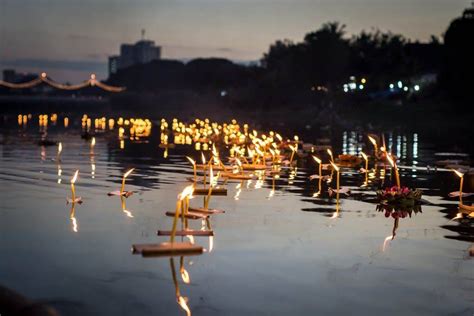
{"x":141,"y":52}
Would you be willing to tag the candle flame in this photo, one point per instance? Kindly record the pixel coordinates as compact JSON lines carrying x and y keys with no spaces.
{"x":184,"y":305}
{"x":128,"y":172}
{"x":237,"y":160}
{"x":459,"y":174}
{"x":191,"y":238}
{"x":187,"y":192}
{"x":214,"y":150}
{"x":74,"y":178}
{"x":318,"y":161}
{"x":364,"y":155}
{"x":93,"y":142}
{"x":334,"y":166}
{"x":329,"y":151}
{"x":60,"y":148}
{"x":373,"y":141}
{"x":185,"y":276}
{"x":191,"y":160}
{"x":203,"y":158}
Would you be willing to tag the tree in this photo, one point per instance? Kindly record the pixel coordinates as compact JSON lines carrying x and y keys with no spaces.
{"x":458,"y":69}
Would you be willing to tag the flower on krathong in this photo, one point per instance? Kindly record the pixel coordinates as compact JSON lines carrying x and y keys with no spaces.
{"x":399,"y":195}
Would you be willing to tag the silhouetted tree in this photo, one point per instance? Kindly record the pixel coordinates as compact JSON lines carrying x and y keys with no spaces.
{"x":327,"y":57}
{"x":458,"y":71}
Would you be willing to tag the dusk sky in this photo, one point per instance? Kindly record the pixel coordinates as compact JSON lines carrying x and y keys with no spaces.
{"x":70,"y":38}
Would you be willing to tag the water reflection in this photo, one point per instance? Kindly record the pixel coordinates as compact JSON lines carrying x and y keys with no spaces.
{"x":281,"y":190}
{"x":397,"y":213}
{"x":182,"y":301}
{"x":72,"y":216}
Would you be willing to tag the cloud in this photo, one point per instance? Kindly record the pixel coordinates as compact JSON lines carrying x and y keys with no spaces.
{"x":225,"y":49}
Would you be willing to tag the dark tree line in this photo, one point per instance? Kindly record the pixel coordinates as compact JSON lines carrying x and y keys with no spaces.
{"x":326,"y":57}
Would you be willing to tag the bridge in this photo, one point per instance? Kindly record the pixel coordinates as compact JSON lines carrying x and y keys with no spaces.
{"x":43,"y":78}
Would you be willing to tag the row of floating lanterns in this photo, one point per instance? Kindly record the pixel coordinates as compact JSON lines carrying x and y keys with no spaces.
{"x":252,"y":156}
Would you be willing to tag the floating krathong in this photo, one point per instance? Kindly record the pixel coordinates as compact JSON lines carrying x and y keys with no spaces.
{"x":122,"y":191}
{"x":172,"y":248}
{"x":74,"y":199}
{"x":400,"y":196}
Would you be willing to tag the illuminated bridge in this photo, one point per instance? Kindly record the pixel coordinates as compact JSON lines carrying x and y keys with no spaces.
{"x":43,"y":78}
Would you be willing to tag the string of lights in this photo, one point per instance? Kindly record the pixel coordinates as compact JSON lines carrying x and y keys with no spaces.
{"x":44,"y":78}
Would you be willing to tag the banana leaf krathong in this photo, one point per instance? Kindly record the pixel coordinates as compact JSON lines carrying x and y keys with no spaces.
{"x":399,"y":196}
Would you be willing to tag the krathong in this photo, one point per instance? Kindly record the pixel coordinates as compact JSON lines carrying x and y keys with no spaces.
{"x":122,"y":191}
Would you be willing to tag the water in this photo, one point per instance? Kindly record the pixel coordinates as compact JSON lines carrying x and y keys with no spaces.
{"x":274,"y":253}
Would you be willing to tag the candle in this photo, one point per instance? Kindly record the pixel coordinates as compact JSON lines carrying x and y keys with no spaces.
{"x":293,"y":151}
{"x":374,"y":142}
{"x":335,"y":167}
{"x":366,"y":167}
{"x":73,"y":180}
{"x":319,"y":162}
{"x":123,"y":179}
{"x":329,"y":151}
{"x":394,"y":166}
{"x":461,"y":181}
{"x":193,"y":163}
{"x":204,"y":168}
{"x":211,"y":184}
{"x":185,"y":194}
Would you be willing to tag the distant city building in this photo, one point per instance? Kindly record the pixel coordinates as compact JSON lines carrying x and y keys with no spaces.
{"x":141,"y":52}
{"x":10,"y":75}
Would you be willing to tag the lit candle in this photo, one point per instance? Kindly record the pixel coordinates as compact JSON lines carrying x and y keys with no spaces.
{"x":366,"y":167}
{"x":461,"y":181}
{"x":374,"y":142}
{"x":204,"y":168}
{"x":123,"y":179}
{"x":294,"y":149}
{"x":318,"y":161}
{"x":394,"y":166}
{"x":187,"y":192}
{"x":211,"y":184}
{"x":194,"y":167}
{"x":73,"y":190}
{"x":329,"y":151}
{"x":335,"y":167}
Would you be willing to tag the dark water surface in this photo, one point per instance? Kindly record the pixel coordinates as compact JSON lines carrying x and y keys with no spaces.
{"x":274,"y":252}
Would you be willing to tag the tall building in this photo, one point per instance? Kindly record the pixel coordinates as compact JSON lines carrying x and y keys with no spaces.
{"x":141,"y":52}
